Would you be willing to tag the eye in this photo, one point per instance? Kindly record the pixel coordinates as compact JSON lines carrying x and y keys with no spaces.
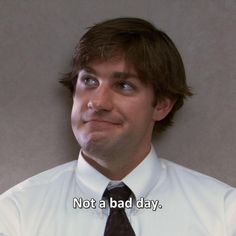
{"x":125,"y":86}
{"x":89,"y":81}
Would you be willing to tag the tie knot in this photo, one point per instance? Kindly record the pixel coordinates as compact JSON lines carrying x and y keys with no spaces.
{"x":118,"y":193}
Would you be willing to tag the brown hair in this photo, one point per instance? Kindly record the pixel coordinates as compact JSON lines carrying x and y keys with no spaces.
{"x":149,"y":50}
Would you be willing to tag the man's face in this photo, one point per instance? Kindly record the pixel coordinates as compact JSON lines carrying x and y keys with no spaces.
{"x":112,"y":109}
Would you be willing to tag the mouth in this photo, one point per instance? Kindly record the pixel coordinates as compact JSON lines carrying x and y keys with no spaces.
{"x":100,"y":121}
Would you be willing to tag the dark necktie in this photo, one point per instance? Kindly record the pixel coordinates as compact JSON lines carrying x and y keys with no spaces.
{"x":117,"y":222}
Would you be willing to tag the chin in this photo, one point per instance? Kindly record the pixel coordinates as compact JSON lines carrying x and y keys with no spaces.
{"x":98,"y":146}
{"x":93,"y":142}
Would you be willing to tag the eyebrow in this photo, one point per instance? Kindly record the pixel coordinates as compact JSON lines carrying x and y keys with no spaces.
{"x":124,"y":75}
{"x":88,"y":70}
{"x":115,"y":74}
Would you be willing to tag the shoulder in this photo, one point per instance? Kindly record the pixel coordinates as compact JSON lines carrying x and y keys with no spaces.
{"x":202,"y":196}
{"x":34,"y":196}
{"x":195,"y":182}
{"x":44,"y":179}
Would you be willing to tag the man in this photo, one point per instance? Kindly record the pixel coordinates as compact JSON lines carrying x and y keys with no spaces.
{"x":127,"y":80}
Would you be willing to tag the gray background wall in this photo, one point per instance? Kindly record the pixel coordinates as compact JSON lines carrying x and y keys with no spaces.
{"x":37,"y":38}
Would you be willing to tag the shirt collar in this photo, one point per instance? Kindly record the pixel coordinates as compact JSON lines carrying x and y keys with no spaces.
{"x":145,"y":176}
{"x":90,"y":181}
{"x":141,"y":180}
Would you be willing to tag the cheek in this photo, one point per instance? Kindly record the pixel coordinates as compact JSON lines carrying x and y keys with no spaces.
{"x":137,"y":111}
{"x":139,"y":106}
{"x":142,"y":113}
{"x":76,"y":111}
{"x":78,"y":103}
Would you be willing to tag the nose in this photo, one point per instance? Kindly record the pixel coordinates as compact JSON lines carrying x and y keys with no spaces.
{"x":101,"y":99}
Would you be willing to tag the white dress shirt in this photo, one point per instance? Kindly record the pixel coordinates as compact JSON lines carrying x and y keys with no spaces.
{"x":187,"y":203}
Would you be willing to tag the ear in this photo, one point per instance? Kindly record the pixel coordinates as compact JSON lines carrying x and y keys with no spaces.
{"x":163,"y":108}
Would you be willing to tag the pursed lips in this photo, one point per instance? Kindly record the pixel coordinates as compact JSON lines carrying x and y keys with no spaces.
{"x":102,"y":121}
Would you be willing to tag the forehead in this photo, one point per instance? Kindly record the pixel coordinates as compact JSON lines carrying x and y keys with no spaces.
{"x":114,"y":66}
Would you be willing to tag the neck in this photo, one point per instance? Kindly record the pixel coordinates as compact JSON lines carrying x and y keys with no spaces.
{"x":116,"y":167}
